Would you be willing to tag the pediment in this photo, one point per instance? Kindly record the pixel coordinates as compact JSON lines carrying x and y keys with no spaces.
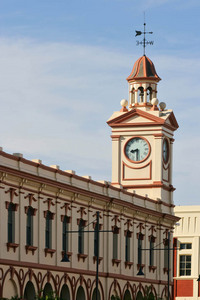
{"x":171,"y":120}
{"x":137,"y":117}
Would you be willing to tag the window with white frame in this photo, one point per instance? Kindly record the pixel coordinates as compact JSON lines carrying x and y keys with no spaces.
{"x":185,"y":246}
{"x":185,"y":265}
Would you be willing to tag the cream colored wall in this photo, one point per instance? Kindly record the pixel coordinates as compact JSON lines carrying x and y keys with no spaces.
{"x":79,"y":192}
{"x":147,"y":172}
{"x":188,"y":231}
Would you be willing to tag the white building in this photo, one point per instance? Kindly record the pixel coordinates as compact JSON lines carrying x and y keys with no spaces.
{"x":186,"y":258}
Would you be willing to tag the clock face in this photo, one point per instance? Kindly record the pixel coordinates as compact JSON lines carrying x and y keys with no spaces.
{"x":165,"y":150}
{"x":137,"y":149}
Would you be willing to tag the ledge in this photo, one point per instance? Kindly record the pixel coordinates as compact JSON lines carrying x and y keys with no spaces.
{"x":116,"y":261}
{"x":95,"y":259}
{"x":12,"y":245}
{"x":140,"y":266}
{"x":128,"y":264}
{"x":69,"y":254}
{"x":152,"y":268}
{"x":82,"y":256}
{"x":165,"y":270}
{"x":30,"y":248}
{"x":50,"y":251}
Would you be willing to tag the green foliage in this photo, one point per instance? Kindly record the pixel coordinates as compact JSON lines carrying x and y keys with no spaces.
{"x":50,"y":296}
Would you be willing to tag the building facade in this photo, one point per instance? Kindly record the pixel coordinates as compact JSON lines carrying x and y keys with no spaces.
{"x":47,"y":213}
{"x":186,"y":257}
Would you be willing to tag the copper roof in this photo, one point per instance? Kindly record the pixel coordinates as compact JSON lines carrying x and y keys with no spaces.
{"x":143,"y":69}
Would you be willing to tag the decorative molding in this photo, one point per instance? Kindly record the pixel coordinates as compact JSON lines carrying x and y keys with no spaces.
{"x":152,"y":268}
{"x":82,"y":256}
{"x":69,"y":254}
{"x":116,"y":261}
{"x":128,"y":264}
{"x":51,"y":214}
{"x":49,"y":251}
{"x":165,"y":270}
{"x":49,"y":202}
{"x":12,"y":192}
{"x":31,"y":198}
{"x":134,"y":168}
{"x":66,"y":207}
{"x":95,"y":259}
{"x":33,"y":211}
{"x":30,"y":248}
{"x":140,"y":266}
{"x":12,"y":246}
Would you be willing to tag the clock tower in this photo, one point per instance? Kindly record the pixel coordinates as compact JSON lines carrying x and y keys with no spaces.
{"x":142,"y":137}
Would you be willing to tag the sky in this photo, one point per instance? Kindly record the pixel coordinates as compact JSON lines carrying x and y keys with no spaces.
{"x":63,"y":70}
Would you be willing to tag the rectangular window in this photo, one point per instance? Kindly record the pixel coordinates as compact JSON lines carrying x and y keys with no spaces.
{"x":29,"y":227}
{"x":81,"y":237}
{"x":140,"y":238}
{"x":186,"y":246}
{"x":115,"y":245}
{"x":185,"y":265}
{"x":11,"y":223}
{"x":65,"y":234}
{"x":127,"y":249}
{"x":48,"y":233}
{"x":96,"y":236}
{"x":151,"y":252}
{"x":166,"y":253}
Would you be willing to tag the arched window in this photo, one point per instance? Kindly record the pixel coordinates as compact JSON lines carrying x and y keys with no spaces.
{"x":29,"y":227}
{"x":11,"y":223}
{"x":127,"y":246}
{"x":141,"y":94}
{"x":81,"y":236}
{"x":139,"y":296}
{"x":65,"y":233}
{"x":127,"y":295}
{"x":64,"y":294}
{"x":132,"y":96}
{"x":80,"y":294}
{"x":151,"y":251}
{"x":96,"y":294}
{"x":140,"y":238}
{"x":48,"y":291}
{"x":29,"y":292}
{"x":48,"y":230}
{"x":149,"y":94}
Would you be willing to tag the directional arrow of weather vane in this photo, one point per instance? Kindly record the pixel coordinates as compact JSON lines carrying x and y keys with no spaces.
{"x":144,"y":42}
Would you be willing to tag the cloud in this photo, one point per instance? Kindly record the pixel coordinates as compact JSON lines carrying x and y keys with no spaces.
{"x":56,"y":98}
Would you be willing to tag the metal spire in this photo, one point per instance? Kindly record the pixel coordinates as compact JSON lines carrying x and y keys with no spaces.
{"x":144,"y":42}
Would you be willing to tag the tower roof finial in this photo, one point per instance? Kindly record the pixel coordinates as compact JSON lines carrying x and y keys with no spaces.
{"x":144,"y":42}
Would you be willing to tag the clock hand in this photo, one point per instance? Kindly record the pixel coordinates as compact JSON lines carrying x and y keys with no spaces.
{"x":135,"y":150}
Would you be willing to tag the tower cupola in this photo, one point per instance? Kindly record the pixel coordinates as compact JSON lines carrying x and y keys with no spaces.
{"x":142,"y":83}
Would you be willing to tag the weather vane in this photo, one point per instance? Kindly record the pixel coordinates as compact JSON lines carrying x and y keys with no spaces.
{"x":144,"y":42}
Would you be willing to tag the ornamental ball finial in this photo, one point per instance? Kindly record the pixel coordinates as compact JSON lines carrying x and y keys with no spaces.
{"x":154,"y":101}
{"x":124,"y":102}
{"x":162,"y":105}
